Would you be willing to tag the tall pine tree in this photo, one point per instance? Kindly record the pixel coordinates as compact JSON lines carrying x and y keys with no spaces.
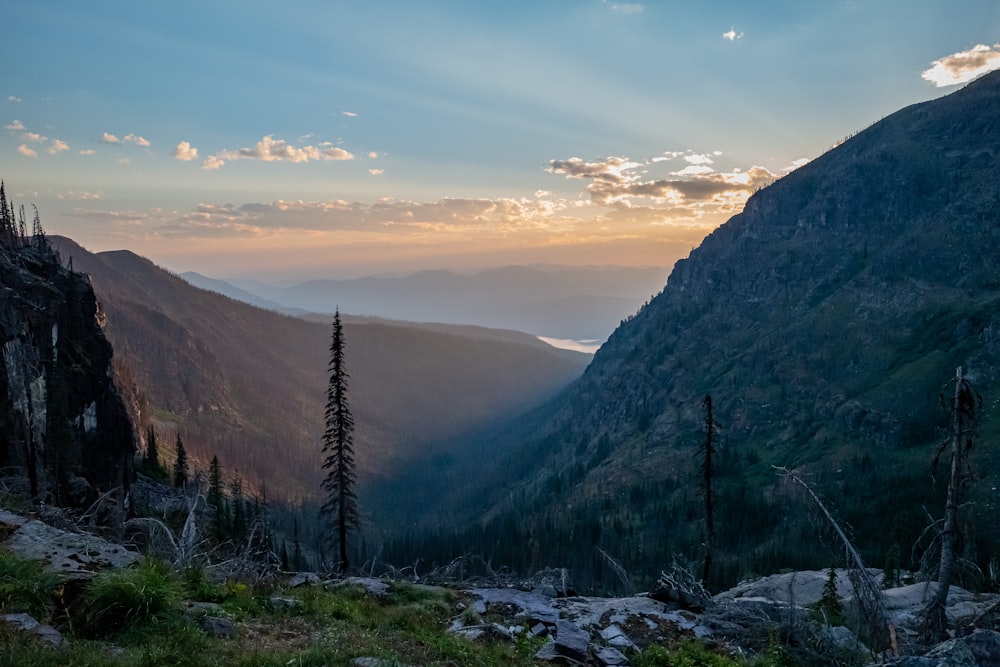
{"x":340,"y":510}
{"x":180,"y":465}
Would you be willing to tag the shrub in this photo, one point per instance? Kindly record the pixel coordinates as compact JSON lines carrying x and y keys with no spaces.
{"x":122,"y":599}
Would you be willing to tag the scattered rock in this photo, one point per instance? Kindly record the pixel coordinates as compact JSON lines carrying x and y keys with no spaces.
{"x":26,"y":624}
{"x":218,"y":627}
{"x":548,"y":590}
{"x":284,"y":603}
{"x":303,"y":579}
{"x":549,"y":653}
{"x":985,"y":645}
{"x":617,"y":638}
{"x":607,"y":656}
{"x":571,"y":641}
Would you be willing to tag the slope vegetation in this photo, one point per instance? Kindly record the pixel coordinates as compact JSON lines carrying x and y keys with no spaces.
{"x":249,"y":385}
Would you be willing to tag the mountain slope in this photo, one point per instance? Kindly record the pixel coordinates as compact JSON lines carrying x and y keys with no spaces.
{"x":249,"y":385}
{"x":824,"y":320}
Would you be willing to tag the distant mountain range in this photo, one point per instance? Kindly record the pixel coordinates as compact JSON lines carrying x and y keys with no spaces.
{"x":249,"y":385}
{"x":577,"y":303}
{"x":825,"y":320}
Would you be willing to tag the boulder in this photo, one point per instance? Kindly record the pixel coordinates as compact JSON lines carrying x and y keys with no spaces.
{"x":218,"y":627}
{"x":74,"y":555}
{"x":27,"y":625}
{"x":571,"y":641}
{"x":303,"y":579}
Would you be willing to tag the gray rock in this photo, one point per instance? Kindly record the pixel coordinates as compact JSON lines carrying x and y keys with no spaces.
{"x":26,"y":624}
{"x":550,"y":653}
{"x":538,"y":629}
{"x":284,"y":603}
{"x":548,"y":590}
{"x":985,"y":646}
{"x":73,"y":555}
{"x":617,"y":638}
{"x":303,"y":578}
{"x":571,"y":641}
{"x":218,"y":627}
{"x":607,"y":656}
{"x":375,"y":587}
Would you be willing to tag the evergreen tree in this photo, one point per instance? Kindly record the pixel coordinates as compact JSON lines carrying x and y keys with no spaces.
{"x":180,"y":465}
{"x":216,"y":499}
{"x":340,"y":509}
{"x":239,"y":518}
{"x":152,"y":457}
{"x":829,"y":602}
{"x":706,"y":470}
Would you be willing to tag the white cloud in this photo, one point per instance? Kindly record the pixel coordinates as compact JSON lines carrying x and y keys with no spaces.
{"x":185,"y":152}
{"x":697,"y":158}
{"x":625,"y":7}
{"x":27,"y":152}
{"x":963,"y":66}
{"x":58,"y":146}
{"x":137,"y":140}
{"x":15,"y":126}
{"x":212,"y":162}
{"x":109,"y":138}
{"x":34,"y":137}
{"x":693,"y":170}
{"x":270,"y":149}
{"x":14,"y":99}
{"x":124,"y":160}
{"x":376,"y":172}
{"x":87,"y":151}
{"x":372,"y":154}
{"x":79,"y":194}
{"x":349,"y":114}
{"x":732,"y":35}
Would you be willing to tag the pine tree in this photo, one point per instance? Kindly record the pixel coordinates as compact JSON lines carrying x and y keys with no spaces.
{"x":340,"y":509}
{"x":239,"y":519}
{"x":706,"y":470}
{"x":216,"y":499}
{"x":152,"y":457}
{"x":180,"y":465}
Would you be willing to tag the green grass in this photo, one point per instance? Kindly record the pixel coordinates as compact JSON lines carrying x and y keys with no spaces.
{"x":25,"y":586}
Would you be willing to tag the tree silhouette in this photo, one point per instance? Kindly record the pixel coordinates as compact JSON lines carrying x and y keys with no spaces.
{"x":706,"y":477}
{"x":180,"y":465}
{"x":152,"y":458}
{"x":340,"y":509}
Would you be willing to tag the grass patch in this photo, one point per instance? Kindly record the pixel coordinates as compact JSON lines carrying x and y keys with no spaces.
{"x":25,"y":586}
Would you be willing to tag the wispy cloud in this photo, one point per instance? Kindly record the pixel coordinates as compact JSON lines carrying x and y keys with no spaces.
{"x":109,"y":138}
{"x":270,"y":149}
{"x":87,"y":151}
{"x":185,"y":152}
{"x":376,"y":172}
{"x":14,"y":99}
{"x":732,"y":35}
{"x":372,"y":154}
{"x":80,"y":195}
{"x":349,"y":114}
{"x":625,"y":7}
{"x":137,"y":140}
{"x":57,"y":146}
{"x":24,"y":150}
{"x":963,"y":66}
{"x":14,"y":126}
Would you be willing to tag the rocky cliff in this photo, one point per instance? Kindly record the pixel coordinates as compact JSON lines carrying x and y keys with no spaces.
{"x":64,"y":432}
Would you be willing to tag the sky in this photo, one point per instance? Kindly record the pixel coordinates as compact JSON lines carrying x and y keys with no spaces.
{"x":297,"y":139}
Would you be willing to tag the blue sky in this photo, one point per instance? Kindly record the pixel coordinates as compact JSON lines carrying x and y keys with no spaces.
{"x":335,"y":138}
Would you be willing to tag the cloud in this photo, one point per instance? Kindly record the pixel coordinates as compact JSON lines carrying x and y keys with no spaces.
{"x":697,"y":158}
{"x":135,"y":139}
{"x":109,"y":138}
{"x":611,"y":169}
{"x":732,"y":35}
{"x":34,"y":137}
{"x":79,"y":194}
{"x":27,"y":152}
{"x":185,"y":152}
{"x":15,"y":126}
{"x":625,"y":7}
{"x":87,"y":151}
{"x":14,"y":99}
{"x":963,"y":66}
{"x":349,"y":114}
{"x":376,"y":172}
{"x":372,"y":154}
{"x":57,"y":146}
{"x":270,"y":149}
{"x":212,"y":162}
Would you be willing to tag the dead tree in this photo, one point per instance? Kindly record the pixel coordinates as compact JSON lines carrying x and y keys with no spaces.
{"x":965,"y":407}
{"x":867,"y":591}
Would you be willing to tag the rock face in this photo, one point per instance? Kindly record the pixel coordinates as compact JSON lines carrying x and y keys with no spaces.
{"x":64,"y":432}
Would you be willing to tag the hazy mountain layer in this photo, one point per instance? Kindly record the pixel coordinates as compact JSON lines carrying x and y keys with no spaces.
{"x":250,"y":385}
{"x":576,"y":303}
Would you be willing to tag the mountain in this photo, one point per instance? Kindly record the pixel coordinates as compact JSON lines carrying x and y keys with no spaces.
{"x":222,"y":287}
{"x":249,"y":385}
{"x":825,"y":320}
{"x":65,"y":434}
{"x":578,"y":303}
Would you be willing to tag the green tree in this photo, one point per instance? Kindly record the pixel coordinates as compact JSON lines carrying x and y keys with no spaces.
{"x":706,"y":476}
{"x":829,"y":601}
{"x":216,"y":500}
{"x":152,"y":457}
{"x":180,"y":465}
{"x":340,"y":508}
